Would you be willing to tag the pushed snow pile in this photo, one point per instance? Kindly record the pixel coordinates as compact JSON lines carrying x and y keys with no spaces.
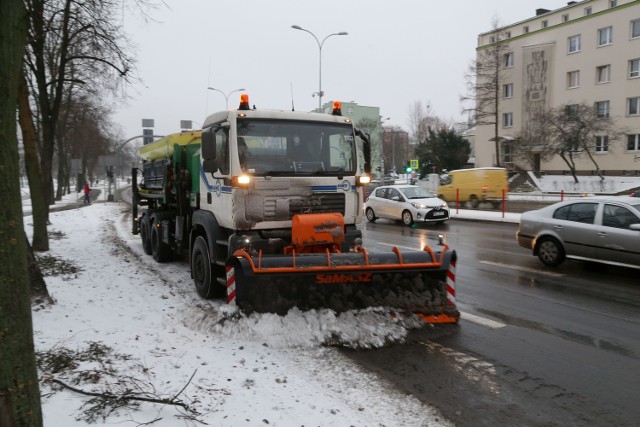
{"x":370,"y":328}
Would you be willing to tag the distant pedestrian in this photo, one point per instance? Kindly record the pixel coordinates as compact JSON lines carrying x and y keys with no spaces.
{"x":87,"y":194}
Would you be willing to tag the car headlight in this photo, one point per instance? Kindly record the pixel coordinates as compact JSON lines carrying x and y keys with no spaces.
{"x":418,"y":205}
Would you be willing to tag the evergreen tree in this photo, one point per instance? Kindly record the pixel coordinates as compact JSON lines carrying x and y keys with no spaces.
{"x":443,"y":149}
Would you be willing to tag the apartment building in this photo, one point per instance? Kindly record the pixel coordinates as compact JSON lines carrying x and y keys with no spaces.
{"x":585,"y":52}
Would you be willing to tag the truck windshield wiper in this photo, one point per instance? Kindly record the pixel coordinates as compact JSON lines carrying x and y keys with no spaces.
{"x":277,"y":173}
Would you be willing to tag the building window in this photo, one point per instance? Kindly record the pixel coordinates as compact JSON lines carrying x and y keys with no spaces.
{"x":572,"y":110}
{"x":633,"y":142}
{"x":507,"y":120}
{"x":635,"y":28}
{"x":587,"y":11}
{"x":525,"y":29}
{"x":605,"y":36}
{"x":545,"y":23}
{"x":507,"y":35}
{"x":602,"y":109}
{"x":574,"y":44}
{"x":633,"y":106}
{"x":565,"y":17}
{"x":508,"y":60}
{"x":603,"y":74}
{"x":508,"y":90}
{"x":573,"y":79}
{"x":602,"y":144}
{"x":492,"y":39}
{"x":634,"y":68}
{"x":507,"y":153}
{"x":613,"y":3}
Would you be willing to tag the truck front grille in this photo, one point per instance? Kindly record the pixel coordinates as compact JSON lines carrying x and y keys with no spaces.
{"x":315,"y":203}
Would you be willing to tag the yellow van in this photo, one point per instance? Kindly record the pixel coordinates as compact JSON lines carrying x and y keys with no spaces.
{"x":475,"y":186}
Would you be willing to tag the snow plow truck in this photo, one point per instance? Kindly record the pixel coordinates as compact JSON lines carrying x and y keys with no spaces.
{"x":265,"y":205}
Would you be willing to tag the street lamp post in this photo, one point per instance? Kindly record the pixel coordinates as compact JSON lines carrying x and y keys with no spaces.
{"x":320,"y":44}
{"x":382,"y":122}
{"x":226,"y":96}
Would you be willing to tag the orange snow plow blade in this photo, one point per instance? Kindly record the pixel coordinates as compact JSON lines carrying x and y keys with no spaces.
{"x":314,"y":275}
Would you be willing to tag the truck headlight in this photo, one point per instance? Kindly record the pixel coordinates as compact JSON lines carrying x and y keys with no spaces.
{"x":241,"y":181}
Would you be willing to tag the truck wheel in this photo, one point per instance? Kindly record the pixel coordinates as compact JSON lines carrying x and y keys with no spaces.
{"x":474,"y":202}
{"x":201,"y":268}
{"x":371,"y":216}
{"x":550,"y":251}
{"x":161,"y":251}
{"x":144,"y":234}
{"x":407,"y":218}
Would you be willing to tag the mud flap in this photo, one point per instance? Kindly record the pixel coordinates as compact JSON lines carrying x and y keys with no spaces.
{"x":419,"y":282}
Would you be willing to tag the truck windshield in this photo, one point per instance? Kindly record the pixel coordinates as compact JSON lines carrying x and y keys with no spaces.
{"x":281,"y":147}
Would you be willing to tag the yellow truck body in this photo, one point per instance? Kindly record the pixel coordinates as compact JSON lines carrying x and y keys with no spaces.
{"x":476,"y":185}
{"x":163,"y":148}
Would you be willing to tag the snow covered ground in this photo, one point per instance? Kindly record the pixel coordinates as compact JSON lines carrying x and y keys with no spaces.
{"x":553,"y":184}
{"x":138,"y":327}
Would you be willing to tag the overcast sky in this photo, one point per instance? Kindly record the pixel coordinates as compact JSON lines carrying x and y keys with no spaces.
{"x":396,"y":53}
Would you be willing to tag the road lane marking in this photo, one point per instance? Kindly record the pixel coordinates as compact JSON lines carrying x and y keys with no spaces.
{"x":521,"y":268}
{"x":482,"y":321}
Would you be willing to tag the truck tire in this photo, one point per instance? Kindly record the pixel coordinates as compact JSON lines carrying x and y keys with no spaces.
{"x":161,"y":251}
{"x":201,"y":268}
{"x":473,"y":201}
{"x":145,"y":235}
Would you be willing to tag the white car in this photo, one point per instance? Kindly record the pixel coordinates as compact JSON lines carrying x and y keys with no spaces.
{"x":408,"y":203}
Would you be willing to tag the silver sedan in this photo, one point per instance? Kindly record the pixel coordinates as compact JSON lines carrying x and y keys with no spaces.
{"x":602,"y":229}
{"x":408,"y":203}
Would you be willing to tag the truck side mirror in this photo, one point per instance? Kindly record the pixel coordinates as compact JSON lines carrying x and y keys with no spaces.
{"x":208,"y":151}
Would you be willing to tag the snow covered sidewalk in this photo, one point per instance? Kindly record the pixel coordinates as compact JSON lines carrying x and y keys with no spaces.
{"x":140,"y":325}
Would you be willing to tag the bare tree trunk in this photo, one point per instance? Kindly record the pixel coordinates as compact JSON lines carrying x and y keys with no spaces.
{"x":29,"y":140}
{"x":60,"y":186}
{"x":571,"y":165}
{"x":598,"y":172}
{"x":38,"y":285}
{"x":19,"y":388}
{"x":496,"y":101}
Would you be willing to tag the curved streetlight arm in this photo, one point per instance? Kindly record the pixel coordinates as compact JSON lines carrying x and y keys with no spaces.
{"x":226,"y":96}
{"x":320,"y":44}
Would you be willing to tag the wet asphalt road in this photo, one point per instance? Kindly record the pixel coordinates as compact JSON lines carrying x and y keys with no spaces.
{"x":536,"y":346}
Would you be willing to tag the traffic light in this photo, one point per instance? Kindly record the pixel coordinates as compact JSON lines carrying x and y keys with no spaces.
{"x":407,"y":168}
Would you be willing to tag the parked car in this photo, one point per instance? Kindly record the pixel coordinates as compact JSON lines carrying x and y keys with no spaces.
{"x":602,"y":229}
{"x":368,"y":189}
{"x":634,"y":194}
{"x":384,"y":180}
{"x":408,"y":203}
